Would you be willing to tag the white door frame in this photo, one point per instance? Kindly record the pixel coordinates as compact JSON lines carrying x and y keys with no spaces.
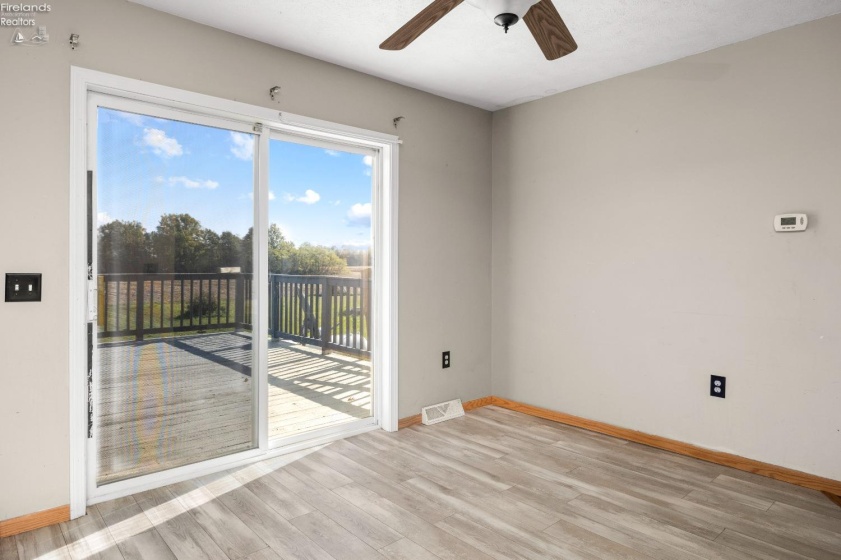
{"x":85,"y":82}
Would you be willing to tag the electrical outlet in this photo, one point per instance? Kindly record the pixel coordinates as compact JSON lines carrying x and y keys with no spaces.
{"x":23,"y":287}
{"x":445,"y":359}
{"x":718,"y":384}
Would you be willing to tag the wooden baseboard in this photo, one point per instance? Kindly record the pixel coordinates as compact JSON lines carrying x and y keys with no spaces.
{"x":408,"y":421}
{"x":836,"y":499}
{"x":826,"y":485}
{"x":34,"y":521}
{"x":468,"y":405}
{"x":831,"y":488}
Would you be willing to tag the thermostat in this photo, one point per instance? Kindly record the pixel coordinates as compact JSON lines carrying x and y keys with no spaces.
{"x":791,"y":222}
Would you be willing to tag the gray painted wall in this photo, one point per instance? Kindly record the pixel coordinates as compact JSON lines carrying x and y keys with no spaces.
{"x":445,"y":210}
{"x":634,"y":252}
{"x":595,"y":312}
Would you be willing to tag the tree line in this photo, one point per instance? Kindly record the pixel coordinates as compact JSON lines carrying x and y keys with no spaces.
{"x":180,"y":244}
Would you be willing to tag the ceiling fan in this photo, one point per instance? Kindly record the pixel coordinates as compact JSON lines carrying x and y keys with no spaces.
{"x":541,"y":17}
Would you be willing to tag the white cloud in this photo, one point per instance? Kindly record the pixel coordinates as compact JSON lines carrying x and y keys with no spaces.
{"x":103,"y":218}
{"x":193,"y":183}
{"x":271,"y":195}
{"x":161,"y":144}
{"x":310,"y":197}
{"x":360,"y":215}
{"x":133,"y":118}
{"x":332,"y":153}
{"x":288,"y":197}
{"x":336,"y":202}
{"x":160,"y":179}
{"x":368,"y":161}
{"x":243,"y":145}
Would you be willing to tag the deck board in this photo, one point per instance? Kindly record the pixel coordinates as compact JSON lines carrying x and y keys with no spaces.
{"x":174,"y":401}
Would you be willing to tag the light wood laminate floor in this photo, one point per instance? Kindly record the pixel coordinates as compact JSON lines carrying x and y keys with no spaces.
{"x":495,"y":484}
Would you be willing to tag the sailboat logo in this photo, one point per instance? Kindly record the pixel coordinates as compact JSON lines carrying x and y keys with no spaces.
{"x":40,"y":38}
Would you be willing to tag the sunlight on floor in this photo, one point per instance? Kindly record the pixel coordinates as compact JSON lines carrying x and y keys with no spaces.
{"x":213,"y":486}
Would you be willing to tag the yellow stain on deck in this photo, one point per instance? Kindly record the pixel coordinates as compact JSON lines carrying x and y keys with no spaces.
{"x":151,"y":395}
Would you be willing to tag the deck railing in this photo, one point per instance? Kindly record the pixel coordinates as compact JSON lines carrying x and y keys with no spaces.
{"x":328,"y":311}
{"x":145,"y":304}
{"x":333,"y":312}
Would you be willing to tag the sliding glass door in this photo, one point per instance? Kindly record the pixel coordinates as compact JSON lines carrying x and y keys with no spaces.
{"x":320,"y":286}
{"x":232,"y":287}
{"x":174,"y":249}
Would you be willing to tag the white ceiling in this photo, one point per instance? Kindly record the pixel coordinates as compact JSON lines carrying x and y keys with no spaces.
{"x":468,"y":58}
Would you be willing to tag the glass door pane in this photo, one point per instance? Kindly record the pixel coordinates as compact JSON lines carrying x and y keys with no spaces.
{"x":320,"y":264}
{"x":173,"y":233}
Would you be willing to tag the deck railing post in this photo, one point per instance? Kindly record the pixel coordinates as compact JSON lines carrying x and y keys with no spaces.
{"x":367,"y":284}
{"x":326,"y":315}
{"x":239,"y":312}
{"x":140,"y":308}
{"x":274,"y":309}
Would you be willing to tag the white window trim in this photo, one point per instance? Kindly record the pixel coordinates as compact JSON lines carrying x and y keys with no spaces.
{"x":385,"y":340}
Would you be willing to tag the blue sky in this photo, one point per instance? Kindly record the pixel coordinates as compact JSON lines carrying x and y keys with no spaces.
{"x":148,"y":166}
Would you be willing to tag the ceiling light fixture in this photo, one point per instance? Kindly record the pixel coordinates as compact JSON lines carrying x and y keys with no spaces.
{"x":541,"y":17}
{"x":505,"y":13}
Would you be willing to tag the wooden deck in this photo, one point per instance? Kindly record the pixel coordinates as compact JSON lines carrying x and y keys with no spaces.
{"x":169,"y":402}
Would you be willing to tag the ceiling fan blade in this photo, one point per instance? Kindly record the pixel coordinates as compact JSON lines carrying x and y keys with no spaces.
{"x":549,"y":30}
{"x":425,"y":19}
